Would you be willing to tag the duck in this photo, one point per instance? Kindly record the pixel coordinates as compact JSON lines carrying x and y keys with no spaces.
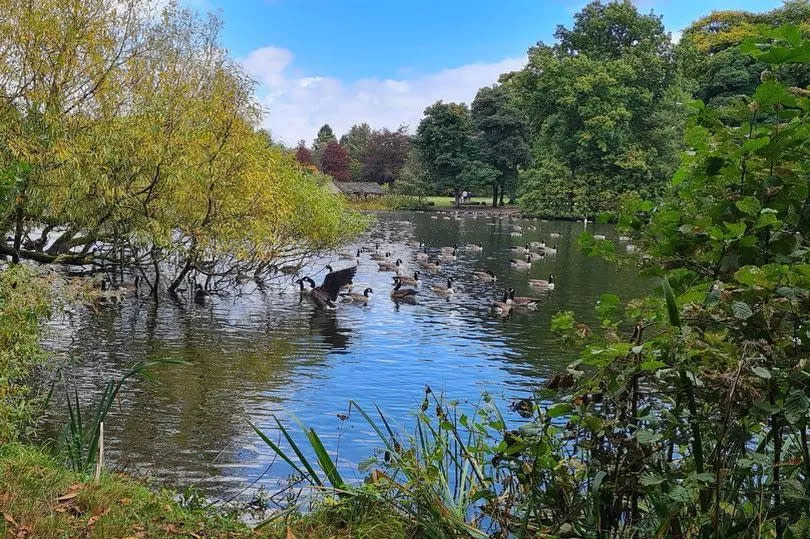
{"x":443,"y":290}
{"x":474,"y":248}
{"x":324,"y":296}
{"x":423,"y":255}
{"x":410,"y":281}
{"x":542,"y":283}
{"x":387,"y":265}
{"x":504,"y":306}
{"x":452,"y":257}
{"x":378,"y":256}
{"x":402,"y":294}
{"x":523,"y":301}
{"x":357,"y":297}
{"x":487,"y":276}
{"x":519,"y":249}
{"x":521,"y":264}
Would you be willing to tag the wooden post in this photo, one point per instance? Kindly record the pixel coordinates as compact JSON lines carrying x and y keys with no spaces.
{"x":100,"y":459}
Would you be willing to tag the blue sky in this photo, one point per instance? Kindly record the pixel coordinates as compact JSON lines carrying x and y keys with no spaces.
{"x":348,"y":61}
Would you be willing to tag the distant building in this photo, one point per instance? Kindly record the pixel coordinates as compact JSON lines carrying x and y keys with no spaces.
{"x":356,"y":189}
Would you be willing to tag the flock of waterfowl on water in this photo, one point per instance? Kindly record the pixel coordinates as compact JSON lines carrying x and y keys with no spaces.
{"x":338,"y":286}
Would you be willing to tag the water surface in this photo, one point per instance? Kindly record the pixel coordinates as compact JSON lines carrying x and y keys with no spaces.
{"x":270,"y":353}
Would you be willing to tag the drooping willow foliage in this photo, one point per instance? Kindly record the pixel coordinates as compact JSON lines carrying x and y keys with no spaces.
{"x":129,"y":139}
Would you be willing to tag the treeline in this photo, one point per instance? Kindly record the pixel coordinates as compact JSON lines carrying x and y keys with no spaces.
{"x":592,"y":117}
{"x":131,"y":142}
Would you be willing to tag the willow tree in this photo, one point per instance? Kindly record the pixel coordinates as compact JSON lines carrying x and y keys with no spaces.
{"x":132,"y":143}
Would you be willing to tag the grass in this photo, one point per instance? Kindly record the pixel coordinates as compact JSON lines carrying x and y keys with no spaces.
{"x":40,"y":497}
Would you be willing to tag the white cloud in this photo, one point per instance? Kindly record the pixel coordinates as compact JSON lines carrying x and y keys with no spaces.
{"x":297,"y":106}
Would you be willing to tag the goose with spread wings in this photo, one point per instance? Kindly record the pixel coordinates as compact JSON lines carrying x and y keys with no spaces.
{"x":324,"y":296}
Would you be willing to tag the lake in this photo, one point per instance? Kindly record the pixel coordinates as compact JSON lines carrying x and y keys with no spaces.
{"x":266,"y":353}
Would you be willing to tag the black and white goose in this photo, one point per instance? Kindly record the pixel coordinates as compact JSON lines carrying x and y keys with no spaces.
{"x":443,"y":290}
{"x":410,"y":281}
{"x":357,"y":297}
{"x":487,"y":276}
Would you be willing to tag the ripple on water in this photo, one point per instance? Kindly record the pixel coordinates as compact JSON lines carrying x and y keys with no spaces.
{"x":269,"y":354}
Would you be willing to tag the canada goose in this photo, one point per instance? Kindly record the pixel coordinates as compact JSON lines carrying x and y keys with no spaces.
{"x":443,"y":290}
{"x":550,"y":250}
{"x":410,"y":281}
{"x":347,"y":287}
{"x":519,"y":249}
{"x":414,"y":243}
{"x":305,"y":289}
{"x":542,"y":283}
{"x":630,"y":248}
{"x":402,"y":294}
{"x":375,"y":248}
{"x":515,"y":234}
{"x":517,"y":228}
{"x":555,"y":235}
{"x":538,"y":244}
{"x":357,"y":297}
{"x":378,"y":256}
{"x":324,"y":296}
{"x":389,"y":266}
{"x":523,"y":301}
{"x":598,"y":236}
{"x":433,"y":217}
{"x":349,"y":256}
{"x":520,"y":264}
{"x":487,"y":276}
{"x":431,"y":265}
{"x":423,"y":255}
{"x":449,"y":257}
{"x":474,"y":248}
{"x":503,"y":307}
{"x":624,"y":238}
{"x":445,"y":250}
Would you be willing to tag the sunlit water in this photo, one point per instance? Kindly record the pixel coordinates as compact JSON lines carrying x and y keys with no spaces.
{"x":270,"y":353}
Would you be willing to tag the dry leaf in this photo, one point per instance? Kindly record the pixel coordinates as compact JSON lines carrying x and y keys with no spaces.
{"x":290,"y":534}
{"x":10,"y":519}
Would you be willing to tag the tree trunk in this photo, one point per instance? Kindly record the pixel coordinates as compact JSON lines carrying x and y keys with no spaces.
{"x":494,"y":195}
{"x":456,"y":194}
{"x":503,"y":188}
{"x":179,"y":279}
{"x":18,"y":230}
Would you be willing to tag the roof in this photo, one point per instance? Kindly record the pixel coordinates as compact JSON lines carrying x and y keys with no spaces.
{"x":358,"y":188}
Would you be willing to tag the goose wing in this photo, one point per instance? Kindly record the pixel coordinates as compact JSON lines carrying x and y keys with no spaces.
{"x":335,"y":280}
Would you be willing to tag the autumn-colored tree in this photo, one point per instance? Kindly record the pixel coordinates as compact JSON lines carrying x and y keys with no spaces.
{"x":303,"y":155}
{"x":386,"y":154}
{"x":324,"y":137}
{"x":335,"y":162}
{"x":131,"y":142}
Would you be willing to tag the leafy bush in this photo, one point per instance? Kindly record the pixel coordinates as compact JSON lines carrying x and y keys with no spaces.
{"x":24,"y":302}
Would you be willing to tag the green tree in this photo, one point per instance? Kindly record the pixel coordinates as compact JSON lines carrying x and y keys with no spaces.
{"x":502,"y":136}
{"x":604,"y":111}
{"x":322,"y":139}
{"x":444,"y":140}
{"x":412,"y":180}
{"x":723,"y":74}
{"x":356,"y":142}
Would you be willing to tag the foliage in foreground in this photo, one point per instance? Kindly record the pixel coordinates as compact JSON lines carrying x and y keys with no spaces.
{"x":686,"y":413}
{"x":23,"y":303}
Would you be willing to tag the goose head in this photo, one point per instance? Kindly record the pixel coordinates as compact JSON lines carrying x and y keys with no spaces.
{"x":329,"y":268}
{"x":368,"y":292}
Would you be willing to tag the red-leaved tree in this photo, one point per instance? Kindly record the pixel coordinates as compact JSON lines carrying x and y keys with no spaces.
{"x":335,"y":162}
{"x":385,"y":155}
{"x":303,"y":155}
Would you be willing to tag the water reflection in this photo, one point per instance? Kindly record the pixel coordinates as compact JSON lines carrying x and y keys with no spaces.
{"x":271,"y":353}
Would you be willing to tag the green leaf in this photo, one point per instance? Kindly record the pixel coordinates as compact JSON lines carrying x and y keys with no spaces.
{"x":762,"y":372}
{"x":768,"y":219}
{"x":741,"y":310}
{"x":735,"y":230}
{"x":652,"y":365}
{"x":672,"y":307}
{"x":651,"y":479}
{"x":771,"y":93}
{"x":748,"y":205}
{"x":559,"y":409}
{"x":646,"y":437}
